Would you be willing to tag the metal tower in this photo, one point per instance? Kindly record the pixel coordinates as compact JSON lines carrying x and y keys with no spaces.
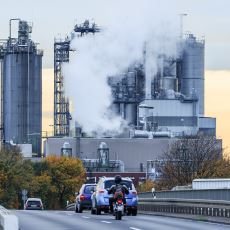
{"x":62,"y":115}
{"x":61,"y":104}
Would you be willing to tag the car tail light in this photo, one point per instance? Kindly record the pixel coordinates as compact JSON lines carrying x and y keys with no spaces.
{"x":82,"y":197}
{"x":119,"y":201}
{"x":101,"y":191}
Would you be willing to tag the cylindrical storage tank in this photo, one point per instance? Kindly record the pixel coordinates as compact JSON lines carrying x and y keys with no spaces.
{"x":169,"y":83}
{"x":192,"y":71}
{"x":115,"y":108}
{"x":131,"y":113}
{"x":22,"y":93}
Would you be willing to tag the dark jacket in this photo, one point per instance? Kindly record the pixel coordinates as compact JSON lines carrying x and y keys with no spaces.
{"x":118,"y":187}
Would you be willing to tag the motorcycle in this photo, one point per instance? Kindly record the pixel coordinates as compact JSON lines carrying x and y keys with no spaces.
{"x":118,"y":209}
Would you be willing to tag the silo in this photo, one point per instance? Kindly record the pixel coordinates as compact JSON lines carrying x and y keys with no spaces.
{"x":22,"y":90}
{"x":192,"y":70}
{"x":131,"y":113}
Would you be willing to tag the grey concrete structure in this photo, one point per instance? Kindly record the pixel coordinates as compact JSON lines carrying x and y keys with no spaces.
{"x":132,"y":152}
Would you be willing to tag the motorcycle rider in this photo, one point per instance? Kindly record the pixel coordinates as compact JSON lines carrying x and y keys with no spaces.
{"x":116,"y":189}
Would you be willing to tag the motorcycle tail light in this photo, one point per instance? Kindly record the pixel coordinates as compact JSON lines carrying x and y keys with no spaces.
{"x":134,"y":193}
{"x":119,"y":201}
{"x":101,"y":191}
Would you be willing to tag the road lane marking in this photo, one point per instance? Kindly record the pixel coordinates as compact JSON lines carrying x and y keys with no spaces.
{"x":107,"y":222}
{"x":70,"y":214}
{"x":86,"y":217}
{"x":134,"y":228}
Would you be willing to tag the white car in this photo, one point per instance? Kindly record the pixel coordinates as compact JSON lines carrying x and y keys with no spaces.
{"x":33,"y":204}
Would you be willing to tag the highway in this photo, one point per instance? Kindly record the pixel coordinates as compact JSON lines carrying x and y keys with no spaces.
{"x":69,"y":220}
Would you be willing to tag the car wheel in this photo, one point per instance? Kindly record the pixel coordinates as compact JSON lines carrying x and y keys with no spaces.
{"x":76,"y":208}
{"x":98,"y":211}
{"x":134,"y":212}
{"x":80,"y":209}
{"x":93,"y":212}
{"x":129,"y":212}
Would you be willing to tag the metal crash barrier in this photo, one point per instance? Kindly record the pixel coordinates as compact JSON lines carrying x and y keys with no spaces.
{"x":189,"y":207}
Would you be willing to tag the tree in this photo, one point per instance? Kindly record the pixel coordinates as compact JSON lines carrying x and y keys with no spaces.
{"x":189,"y":158}
{"x":41,"y":187}
{"x":59,"y":178}
{"x":146,"y":186}
{"x":15,"y":175}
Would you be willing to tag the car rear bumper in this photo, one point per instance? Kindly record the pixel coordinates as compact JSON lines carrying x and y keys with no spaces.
{"x":33,"y":208}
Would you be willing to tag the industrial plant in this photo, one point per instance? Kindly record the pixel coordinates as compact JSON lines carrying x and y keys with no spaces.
{"x":157,"y":109}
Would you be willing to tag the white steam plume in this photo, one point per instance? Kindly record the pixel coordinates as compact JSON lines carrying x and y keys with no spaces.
{"x":130,"y":27}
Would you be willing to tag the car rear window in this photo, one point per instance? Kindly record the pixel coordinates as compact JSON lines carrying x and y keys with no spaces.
{"x":109,"y":183}
{"x":88,"y":189}
{"x":33,"y":202}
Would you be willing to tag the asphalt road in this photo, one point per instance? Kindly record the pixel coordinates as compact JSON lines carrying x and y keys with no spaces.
{"x":69,"y":220}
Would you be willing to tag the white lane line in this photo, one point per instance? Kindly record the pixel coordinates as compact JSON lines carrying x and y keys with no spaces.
{"x":70,"y":214}
{"x":134,"y":228}
{"x":86,"y":217}
{"x":107,"y":222}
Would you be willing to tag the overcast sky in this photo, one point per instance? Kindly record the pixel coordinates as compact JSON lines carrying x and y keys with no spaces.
{"x":52,"y":18}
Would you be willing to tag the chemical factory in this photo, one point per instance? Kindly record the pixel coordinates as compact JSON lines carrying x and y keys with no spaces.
{"x":158,"y":109}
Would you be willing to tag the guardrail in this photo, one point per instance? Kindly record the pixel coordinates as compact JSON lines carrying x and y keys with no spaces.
{"x":184,"y":206}
{"x":8,"y":221}
{"x":215,"y":208}
{"x":70,"y":207}
{"x":203,"y":194}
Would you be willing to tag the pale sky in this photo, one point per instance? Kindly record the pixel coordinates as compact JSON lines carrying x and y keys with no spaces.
{"x":208,"y":18}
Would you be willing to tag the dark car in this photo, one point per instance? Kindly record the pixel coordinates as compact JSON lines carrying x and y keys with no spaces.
{"x":83,"y":199}
{"x":33,"y":204}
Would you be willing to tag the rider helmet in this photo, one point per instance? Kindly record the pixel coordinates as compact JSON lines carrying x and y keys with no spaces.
{"x":118,"y":179}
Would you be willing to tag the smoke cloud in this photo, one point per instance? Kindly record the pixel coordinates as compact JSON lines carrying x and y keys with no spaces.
{"x":128,"y":28}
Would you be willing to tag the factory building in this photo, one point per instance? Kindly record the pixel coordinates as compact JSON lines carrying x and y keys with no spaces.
{"x":21,"y":88}
{"x":171,"y":102}
{"x":159,"y":108}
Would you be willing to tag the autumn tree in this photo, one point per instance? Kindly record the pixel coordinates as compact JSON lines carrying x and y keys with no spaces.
{"x":189,"y":158}
{"x":15,"y":175}
{"x":146,"y":186}
{"x":57,"y":179}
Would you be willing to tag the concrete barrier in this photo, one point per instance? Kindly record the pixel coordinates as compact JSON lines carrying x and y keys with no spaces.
{"x":8,"y":221}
